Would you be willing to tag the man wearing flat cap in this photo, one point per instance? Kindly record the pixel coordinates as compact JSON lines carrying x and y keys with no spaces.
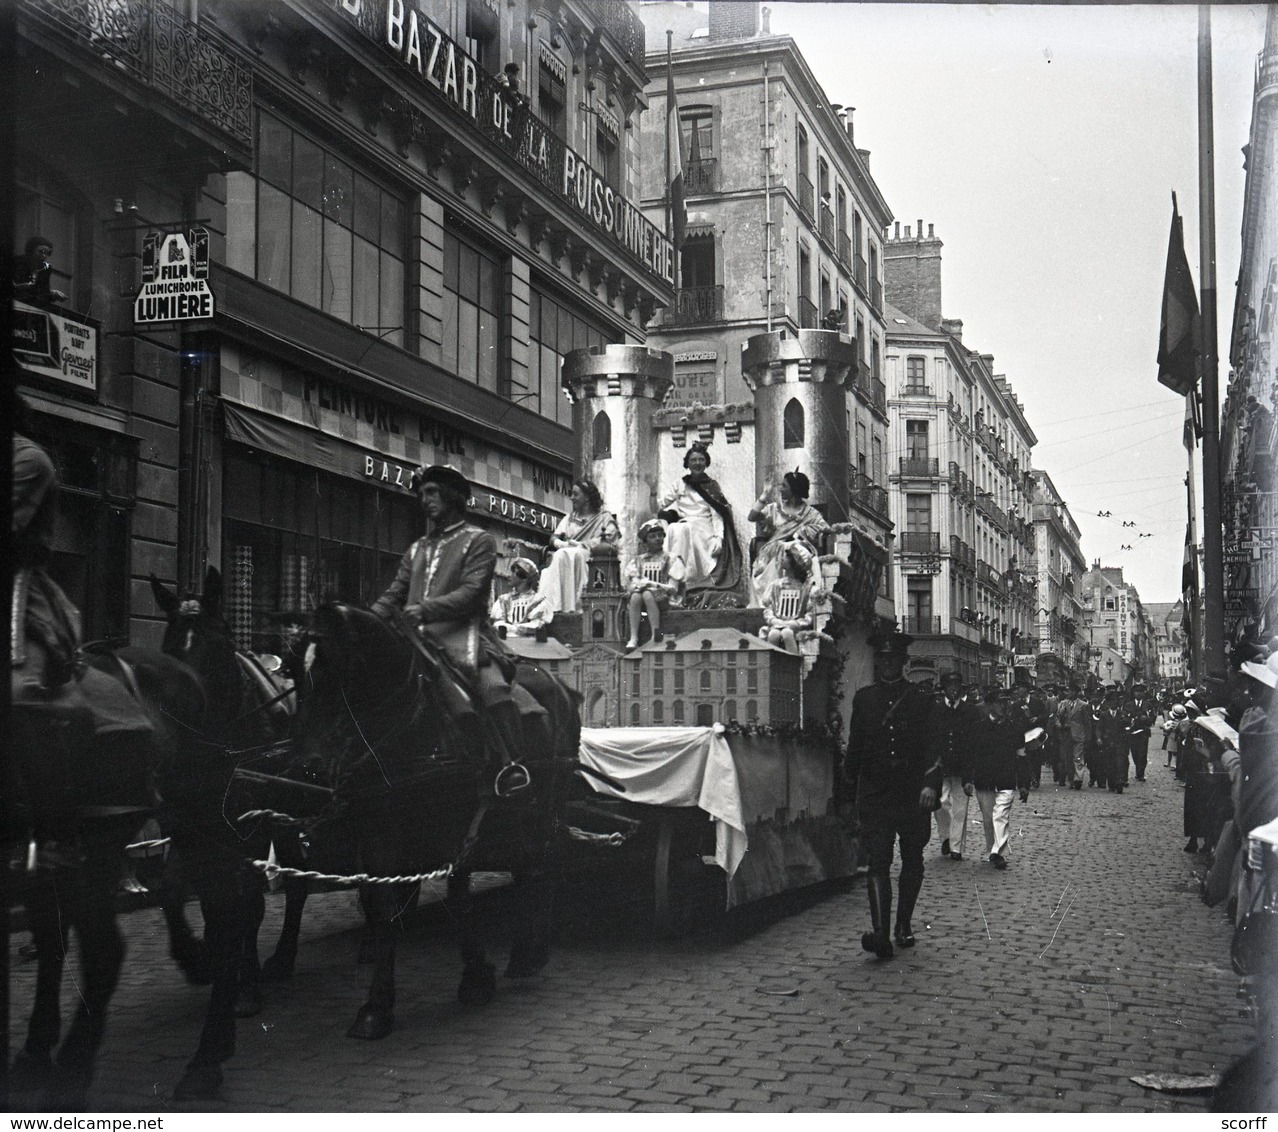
{"x":893,"y":763}
{"x":444,"y":585}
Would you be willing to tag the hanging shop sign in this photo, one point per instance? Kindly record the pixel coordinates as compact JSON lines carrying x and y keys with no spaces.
{"x":506,"y":120}
{"x":175,"y":279}
{"x":57,"y":347}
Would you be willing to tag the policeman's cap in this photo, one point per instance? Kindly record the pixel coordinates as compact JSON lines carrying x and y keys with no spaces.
{"x":894,"y":643}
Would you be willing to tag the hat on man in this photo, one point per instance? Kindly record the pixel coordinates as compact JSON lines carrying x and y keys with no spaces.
{"x":892,"y":643}
{"x":951,"y":677}
{"x":443,"y":475}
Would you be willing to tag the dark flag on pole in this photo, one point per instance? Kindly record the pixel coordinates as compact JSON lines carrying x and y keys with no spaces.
{"x":1180,"y":337}
{"x":1189,"y":583}
{"x":678,"y":214}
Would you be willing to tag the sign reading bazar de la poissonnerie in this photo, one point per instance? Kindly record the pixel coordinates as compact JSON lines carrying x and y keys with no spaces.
{"x":421,"y":46}
{"x":175,"y":279}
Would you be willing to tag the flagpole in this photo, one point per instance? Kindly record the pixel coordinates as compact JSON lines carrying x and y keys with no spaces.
{"x":1191,"y":599}
{"x":1213,"y":658}
{"x":669,"y":87}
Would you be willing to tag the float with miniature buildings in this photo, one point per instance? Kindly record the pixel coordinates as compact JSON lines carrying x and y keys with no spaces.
{"x":727,"y":745}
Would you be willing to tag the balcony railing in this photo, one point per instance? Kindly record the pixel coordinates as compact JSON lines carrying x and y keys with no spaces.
{"x":807,"y":196}
{"x":987,"y":574}
{"x":809,"y":319}
{"x":863,"y":492}
{"x":700,"y":177}
{"x":920,"y":466}
{"x":922,"y":626}
{"x":618,"y":19}
{"x":183,"y":61}
{"x":694,"y":305}
{"x":920,"y":542}
{"x":915,"y":389}
{"x":845,"y":251}
{"x":876,"y":295}
{"x":879,"y":396}
{"x":858,"y":272}
{"x":827,"y":223}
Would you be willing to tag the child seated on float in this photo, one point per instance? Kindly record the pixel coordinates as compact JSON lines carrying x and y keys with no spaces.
{"x":654,"y":580}
{"x":787,"y":602}
{"x":522,"y":611}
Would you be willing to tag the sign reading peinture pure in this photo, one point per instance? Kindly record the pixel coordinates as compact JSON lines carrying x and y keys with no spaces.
{"x":422,"y":47}
{"x":175,"y":284}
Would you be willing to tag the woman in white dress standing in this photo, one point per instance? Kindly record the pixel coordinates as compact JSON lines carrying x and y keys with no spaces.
{"x":578,"y":533}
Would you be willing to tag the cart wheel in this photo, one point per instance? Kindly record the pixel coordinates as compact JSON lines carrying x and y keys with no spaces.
{"x":686,"y":891}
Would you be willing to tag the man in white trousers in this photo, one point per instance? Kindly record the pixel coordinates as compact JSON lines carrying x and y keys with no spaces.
{"x":998,"y":769}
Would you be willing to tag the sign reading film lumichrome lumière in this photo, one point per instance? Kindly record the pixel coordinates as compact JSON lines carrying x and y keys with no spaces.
{"x":420,"y":46}
{"x":51,"y":344}
{"x":175,"y":279}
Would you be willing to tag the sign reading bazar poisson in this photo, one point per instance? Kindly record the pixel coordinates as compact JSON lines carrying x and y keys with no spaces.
{"x":175,"y":279}
{"x":422,"y":47}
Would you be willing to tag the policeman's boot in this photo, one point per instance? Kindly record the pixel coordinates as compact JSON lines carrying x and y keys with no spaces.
{"x":908,"y":890}
{"x":879,"y":890}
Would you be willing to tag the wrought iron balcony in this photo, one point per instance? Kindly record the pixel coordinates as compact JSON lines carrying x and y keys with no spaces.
{"x":922,"y":626}
{"x":700,"y":177}
{"x":845,"y":251}
{"x":919,"y":542}
{"x":807,"y":196}
{"x":987,"y":574}
{"x":915,"y":389}
{"x":626,"y":29}
{"x":880,"y":396}
{"x":876,"y":295}
{"x":695,"y":305}
{"x":863,"y":492}
{"x":188,"y":64}
{"x":827,"y":223}
{"x":859,"y":272}
{"x":920,"y":466}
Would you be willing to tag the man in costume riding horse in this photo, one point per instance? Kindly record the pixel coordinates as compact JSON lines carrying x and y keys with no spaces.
{"x":444,"y":586}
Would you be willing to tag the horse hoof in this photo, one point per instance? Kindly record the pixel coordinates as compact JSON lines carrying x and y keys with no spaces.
{"x":277,"y":969}
{"x":371,"y":1024}
{"x":199,"y":1083}
{"x":248,"y":1002}
{"x":478,"y":985}
{"x":30,"y":1072}
{"x":528,"y":960}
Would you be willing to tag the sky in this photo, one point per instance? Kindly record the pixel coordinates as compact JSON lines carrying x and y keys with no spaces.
{"x":1044,"y":144}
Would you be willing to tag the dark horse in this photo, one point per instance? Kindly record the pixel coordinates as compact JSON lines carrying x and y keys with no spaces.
{"x":416,"y":788}
{"x":202,"y":798}
{"x":79,"y":797}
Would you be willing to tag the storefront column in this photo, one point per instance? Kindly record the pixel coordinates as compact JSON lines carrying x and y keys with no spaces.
{"x":426,"y":283}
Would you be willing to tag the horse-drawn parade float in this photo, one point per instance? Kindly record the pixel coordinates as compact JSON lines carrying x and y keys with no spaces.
{"x":682,"y":652}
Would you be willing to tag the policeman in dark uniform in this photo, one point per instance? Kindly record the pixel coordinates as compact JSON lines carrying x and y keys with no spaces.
{"x":892,"y":762}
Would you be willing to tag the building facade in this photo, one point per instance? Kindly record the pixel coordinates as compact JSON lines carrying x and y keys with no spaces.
{"x":1170,"y":641}
{"x":959,"y":457}
{"x":783,"y":234}
{"x":397,"y":216}
{"x":1121,"y":636}
{"x":1059,"y":567}
{"x":1249,"y":438}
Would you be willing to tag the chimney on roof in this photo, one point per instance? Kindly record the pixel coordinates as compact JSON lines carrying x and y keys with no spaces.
{"x":953,"y":327}
{"x":912,"y":276}
{"x":732,"y":19}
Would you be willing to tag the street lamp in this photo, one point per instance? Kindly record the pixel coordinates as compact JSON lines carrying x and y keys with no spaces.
{"x":1109,"y":670}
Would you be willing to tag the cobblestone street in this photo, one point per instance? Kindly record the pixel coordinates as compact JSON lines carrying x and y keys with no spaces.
{"x":1042,"y":988}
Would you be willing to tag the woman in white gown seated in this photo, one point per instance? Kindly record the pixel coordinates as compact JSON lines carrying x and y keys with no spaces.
{"x":701,"y":533}
{"x":784,"y":515}
{"x":587,"y":526}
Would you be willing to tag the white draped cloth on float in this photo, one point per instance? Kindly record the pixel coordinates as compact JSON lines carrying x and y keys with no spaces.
{"x":673,"y":766}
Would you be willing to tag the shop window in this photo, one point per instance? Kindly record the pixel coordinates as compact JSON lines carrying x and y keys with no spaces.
{"x":554,"y":330}
{"x":90,"y":540}
{"x":312,"y":225}
{"x":793,"y":425}
{"x":472,"y":308}
{"x":601,"y":449}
